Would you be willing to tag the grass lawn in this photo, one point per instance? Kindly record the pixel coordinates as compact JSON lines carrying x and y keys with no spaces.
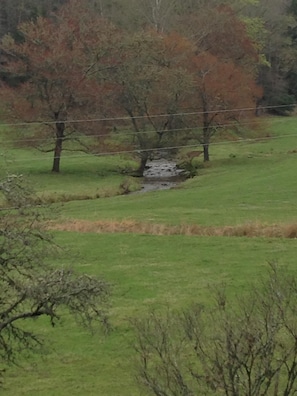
{"x":240,"y":191}
{"x":144,"y":271}
{"x":246,"y":181}
{"x":230,"y":191}
{"x":82,"y":176}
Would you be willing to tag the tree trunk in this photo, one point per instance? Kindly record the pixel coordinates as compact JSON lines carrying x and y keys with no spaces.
{"x":206,"y":130}
{"x":206,"y":152}
{"x":143,"y":160}
{"x":60,"y":127}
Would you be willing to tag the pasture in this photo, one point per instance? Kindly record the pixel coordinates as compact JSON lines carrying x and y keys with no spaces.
{"x":249,"y":183}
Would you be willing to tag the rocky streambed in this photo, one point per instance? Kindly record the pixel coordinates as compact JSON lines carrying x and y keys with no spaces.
{"x":161,"y":174}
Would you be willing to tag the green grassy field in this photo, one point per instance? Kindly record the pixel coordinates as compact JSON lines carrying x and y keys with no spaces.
{"x":144,"y":271}
{"x":257,"y":184}
{"x":246,"y":182}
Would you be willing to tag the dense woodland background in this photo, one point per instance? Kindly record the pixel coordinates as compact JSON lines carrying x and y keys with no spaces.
{"x":271,"y":23}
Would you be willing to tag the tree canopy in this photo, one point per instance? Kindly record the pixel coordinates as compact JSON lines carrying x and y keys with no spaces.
{"x":55,"y":59}
{"x":82,"y":62}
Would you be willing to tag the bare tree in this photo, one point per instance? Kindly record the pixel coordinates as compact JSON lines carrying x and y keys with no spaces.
{"x":245,"y":348}
{"x":29,"y":286}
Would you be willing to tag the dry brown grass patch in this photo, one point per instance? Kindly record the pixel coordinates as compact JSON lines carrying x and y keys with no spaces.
{"x":131,"y":226}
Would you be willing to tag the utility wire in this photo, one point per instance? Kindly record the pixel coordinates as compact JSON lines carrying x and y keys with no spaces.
{"x":156,"y":149}
{"x":138,"y":151}
{"x":131,"y":133}
{"x":125,"y":118}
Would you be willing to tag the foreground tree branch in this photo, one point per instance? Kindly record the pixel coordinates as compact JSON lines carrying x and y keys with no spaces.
{"x":29,"y":286}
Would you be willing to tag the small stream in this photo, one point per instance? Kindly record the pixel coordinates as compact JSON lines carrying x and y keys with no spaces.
{"x":161,"y":174}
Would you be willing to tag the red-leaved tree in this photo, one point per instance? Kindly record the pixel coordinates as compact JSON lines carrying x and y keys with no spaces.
{"x":54,"y":64}
{"x":224,"y":70}
{"x":223,"y":93}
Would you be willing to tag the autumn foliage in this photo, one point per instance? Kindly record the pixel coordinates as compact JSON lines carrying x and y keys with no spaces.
{"x":55,"y":60}
{"x":76,"y":66}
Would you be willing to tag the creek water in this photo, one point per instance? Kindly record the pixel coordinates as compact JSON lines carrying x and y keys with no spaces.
{"x":161,"y":174}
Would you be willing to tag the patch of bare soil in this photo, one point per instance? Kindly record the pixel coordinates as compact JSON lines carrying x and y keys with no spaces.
{"x":130,"y":226}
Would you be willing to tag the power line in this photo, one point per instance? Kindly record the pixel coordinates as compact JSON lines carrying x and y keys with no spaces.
{"x":125,"y":118}
{"x":155,"y":149}
{"x":138,"y":151}
{"x":131,"y":133}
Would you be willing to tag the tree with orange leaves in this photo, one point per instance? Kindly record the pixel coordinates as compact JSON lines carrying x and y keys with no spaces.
{"x":223,"y":93}
{"x":224,"y":70}
{"x":56,"y":59}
